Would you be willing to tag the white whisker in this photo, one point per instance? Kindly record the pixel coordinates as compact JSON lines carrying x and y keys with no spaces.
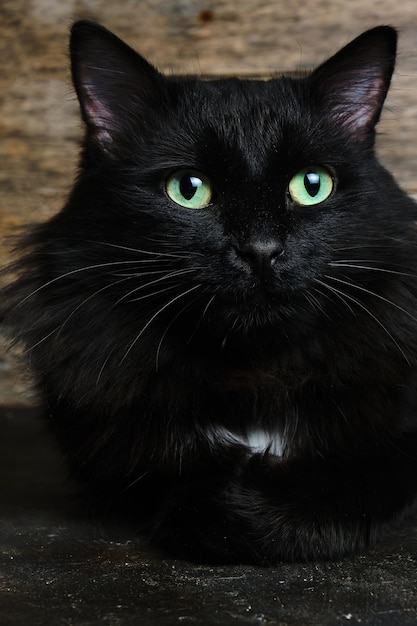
{"x":315,"y":303}
{"x":335,"y":292}
{"x":155,"y":315}
{"x":138,"y":479}
{"x":355,"y":265}
{"x":38,"y":343}
{"x":372,"y":293}
{"x":61,"y":326}
{"x":102,"y":368}
{"x":202,"y":316}
{"x":357,"y":302}
{"x":137,"y":274}
{"x":174,"y":274}
{"x":79,"y":270}
{"x":140,"y":251}
{"x":207,"y":306}
{"x":184,"y":308}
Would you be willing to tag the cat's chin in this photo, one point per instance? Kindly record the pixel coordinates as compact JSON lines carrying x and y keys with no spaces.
{"x":266,"y":313}
{"x":253,"y":313}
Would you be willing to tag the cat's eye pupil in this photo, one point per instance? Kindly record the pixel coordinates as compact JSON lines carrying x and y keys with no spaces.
{"x":189,"y":189}
{"x":312,"y":183}
{"x":189,"y":186}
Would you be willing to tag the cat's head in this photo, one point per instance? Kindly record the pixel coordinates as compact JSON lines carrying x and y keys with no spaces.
{"x":230,"y":204}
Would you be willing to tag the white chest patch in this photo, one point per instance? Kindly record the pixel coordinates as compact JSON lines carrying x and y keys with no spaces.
{"x":256,"y":440}
{"x":261,"y":441}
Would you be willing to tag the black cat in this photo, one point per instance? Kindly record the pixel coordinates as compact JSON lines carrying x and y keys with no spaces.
{"x":223,"y":317}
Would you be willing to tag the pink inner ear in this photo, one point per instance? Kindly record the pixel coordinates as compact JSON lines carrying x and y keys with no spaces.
{"x":99,"y":116}
{"x":359,"y":119}
{"x":367,"y":94}
{"x":360,"y":102}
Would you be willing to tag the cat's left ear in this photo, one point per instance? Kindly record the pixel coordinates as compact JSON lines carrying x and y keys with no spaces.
{"x":352,"y":85}
{"x":115,"y":86}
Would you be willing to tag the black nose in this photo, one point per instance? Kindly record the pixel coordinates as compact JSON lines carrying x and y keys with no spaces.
{"x":261,"y":254}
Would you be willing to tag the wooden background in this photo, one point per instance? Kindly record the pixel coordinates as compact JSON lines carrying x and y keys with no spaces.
{"x":39,"y":125}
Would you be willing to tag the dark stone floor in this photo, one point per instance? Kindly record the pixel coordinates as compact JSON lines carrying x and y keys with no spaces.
{"x":60,"y":567}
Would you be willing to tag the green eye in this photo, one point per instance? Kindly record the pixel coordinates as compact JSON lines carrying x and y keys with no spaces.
{"x":311,"y":185}
{"x":190,"y":189}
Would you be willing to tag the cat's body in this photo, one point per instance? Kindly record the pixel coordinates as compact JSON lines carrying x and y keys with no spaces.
{"x":222,"y":319}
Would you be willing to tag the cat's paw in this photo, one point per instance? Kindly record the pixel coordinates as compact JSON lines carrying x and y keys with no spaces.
{"x":199,"y":526}
{"x":296,"y":510}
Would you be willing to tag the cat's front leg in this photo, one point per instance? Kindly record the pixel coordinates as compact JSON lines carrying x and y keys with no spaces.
{"x":325,"y":508}
{"x":304,"y":509}
{"x":269,"y":510}
{"x":196,"y":520}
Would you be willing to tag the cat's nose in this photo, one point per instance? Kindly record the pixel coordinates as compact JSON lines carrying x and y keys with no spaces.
{"x":261,"y":254}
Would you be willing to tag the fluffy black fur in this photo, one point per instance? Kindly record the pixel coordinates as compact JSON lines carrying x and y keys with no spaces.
{"x":165,"y":339}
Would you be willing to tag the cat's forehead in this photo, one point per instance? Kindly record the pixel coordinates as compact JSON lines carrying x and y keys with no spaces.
{"x":244,"y":120}
{"x":233,"y":108}
{"x":241,"y":99}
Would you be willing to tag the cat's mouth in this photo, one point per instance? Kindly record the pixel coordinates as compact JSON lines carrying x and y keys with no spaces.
{"x":258,"y":307}
{"x":257,"y":294}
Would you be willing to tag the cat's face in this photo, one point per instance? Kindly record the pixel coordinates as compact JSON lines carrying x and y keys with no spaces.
{"x":249,"y":191}
{"x":239,"y":198}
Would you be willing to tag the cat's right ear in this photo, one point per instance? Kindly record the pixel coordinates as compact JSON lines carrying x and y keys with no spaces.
{"x":351,"y":86}
{"x":114,"y":84}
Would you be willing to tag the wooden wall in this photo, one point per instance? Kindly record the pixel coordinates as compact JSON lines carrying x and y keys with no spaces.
{"x":39,"y":125}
